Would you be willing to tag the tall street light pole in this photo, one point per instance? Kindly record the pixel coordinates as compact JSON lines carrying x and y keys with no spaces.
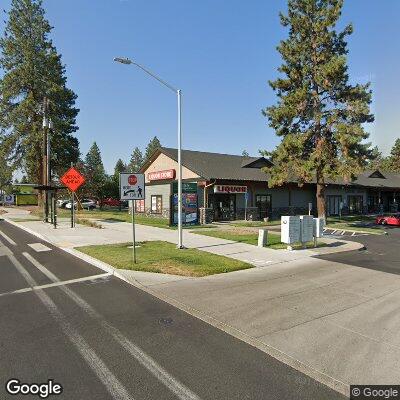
{"x":178,"y":93}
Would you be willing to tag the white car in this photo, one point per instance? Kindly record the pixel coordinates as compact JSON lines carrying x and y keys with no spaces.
{"x":85,"y":203}
{"x":62,"y":202}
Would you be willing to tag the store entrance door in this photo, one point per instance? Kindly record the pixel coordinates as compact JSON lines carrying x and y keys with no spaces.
{"x":333,"y":203}
{"x":264,"y":204}
{"x":224,"y":207}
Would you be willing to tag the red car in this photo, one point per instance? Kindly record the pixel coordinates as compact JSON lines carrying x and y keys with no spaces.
{"x":111,"y":202}
{"x":388,"y":220}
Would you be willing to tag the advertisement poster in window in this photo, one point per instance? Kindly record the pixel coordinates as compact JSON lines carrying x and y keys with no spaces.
{"x":139,"y":206}
{"x":156,"y":204}
{"x":189,"y":204}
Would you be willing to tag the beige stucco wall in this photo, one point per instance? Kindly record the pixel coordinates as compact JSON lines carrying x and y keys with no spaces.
{"x":162,"y":162}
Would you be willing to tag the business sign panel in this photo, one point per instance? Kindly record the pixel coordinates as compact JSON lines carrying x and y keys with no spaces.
{"x":131,"y":186}
{"x":230,"y":189}
{"x":290,"y":229}
{"x":161,"y":175}
{"x":189,"y":203}
{"x":8,"y":199}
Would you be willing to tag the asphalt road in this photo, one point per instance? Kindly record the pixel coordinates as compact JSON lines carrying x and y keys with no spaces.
{"x":382,"y":252}
{"x":101,"y":338}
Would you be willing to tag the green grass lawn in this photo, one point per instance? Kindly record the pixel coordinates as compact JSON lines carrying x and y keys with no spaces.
{"x":274,"y":239}
{"x":163,"y":257}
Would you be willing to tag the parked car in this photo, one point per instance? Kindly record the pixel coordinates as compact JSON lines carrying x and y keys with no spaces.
{"x":111,"y":202}
{"x":62,"y":202}
{"x":388,"y":220}
{"x":87,"y":204}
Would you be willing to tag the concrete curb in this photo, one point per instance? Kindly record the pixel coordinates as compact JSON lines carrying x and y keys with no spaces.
{"x":298,"y":365}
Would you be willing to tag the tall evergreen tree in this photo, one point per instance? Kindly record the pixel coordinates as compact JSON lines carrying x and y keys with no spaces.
{"x":32,"y":70}
{"x":393,"y":161}
{"x":119,"y":167}
{"x":377,"y":160}
{"x":245,"y":153}
{"x":94,"y":173}
{"x":319,"y":114}
{"x":136,"y":160}
{"x":5,"y":171}
{"x":153,"y":145}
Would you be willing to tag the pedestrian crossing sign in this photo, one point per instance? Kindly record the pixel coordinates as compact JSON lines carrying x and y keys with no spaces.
{"x":131,"y":186}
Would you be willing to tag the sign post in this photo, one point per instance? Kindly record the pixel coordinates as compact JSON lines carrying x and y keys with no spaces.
{"x":131,"y":187}
{"x":73,"y":180}
{"x":246,"y":196}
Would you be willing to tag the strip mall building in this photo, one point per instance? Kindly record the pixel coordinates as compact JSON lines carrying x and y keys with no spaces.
{"x":220,"y":187}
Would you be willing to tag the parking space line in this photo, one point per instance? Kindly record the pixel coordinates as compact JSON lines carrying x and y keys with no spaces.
{"x":9,"y":240}
{"x":176,"y":387}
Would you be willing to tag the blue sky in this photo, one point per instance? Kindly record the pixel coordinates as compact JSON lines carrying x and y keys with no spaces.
{"x":221,"y":54}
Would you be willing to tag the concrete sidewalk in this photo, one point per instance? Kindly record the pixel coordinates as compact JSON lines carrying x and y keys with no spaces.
{"x":118,"y":232}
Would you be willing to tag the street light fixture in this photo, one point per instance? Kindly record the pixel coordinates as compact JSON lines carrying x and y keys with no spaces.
{"x":178,"y":92}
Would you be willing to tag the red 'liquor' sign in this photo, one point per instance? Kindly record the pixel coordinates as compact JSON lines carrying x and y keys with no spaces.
{"x":161,"y":175}
{"x":230,"y":189}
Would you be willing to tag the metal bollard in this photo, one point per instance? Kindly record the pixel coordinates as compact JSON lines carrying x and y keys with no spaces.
{"x":262,"y":237}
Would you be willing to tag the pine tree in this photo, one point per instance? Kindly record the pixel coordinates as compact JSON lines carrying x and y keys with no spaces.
{"x":153,"y":145}
{"x":136,"y":160}
{"x":245,"y":153}
{"x":119,"y":167}
{"x":377,"y":160}
{"x":6,"y":172}
{"x":319,"y":114}
{"x":94,"y":173}
{"x":32,"y":70}
{"x":393,"y":161}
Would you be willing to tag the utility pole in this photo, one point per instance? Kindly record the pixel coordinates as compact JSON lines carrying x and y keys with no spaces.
{"x":45,"y":161}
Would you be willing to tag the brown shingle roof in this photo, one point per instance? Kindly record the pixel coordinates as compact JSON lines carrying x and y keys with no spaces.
{"x":218,"y":166}
{"x":234,"y":167}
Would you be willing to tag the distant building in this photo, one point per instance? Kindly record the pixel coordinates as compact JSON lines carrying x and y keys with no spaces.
{"x":25,"y":194}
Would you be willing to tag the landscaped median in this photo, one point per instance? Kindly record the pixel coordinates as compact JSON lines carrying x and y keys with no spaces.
{"x":274,"y":239}
{"x":163,"y":257}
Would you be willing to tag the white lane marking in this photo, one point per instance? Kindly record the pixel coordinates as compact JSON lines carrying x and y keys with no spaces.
{"x":41,"y":268}
{"x":39,"y":247}
{"x":343,"y":232}
{"x":22,"y":271}
{"x":109,"y":380}
{"x":55,"y":284}
{"x":180,"y":390}
{"x":353,"y":234}
{"x":9,"y":240}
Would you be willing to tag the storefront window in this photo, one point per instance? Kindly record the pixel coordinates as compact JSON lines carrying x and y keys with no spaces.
{"x":156,"y":204}
{"x":355,"y":204}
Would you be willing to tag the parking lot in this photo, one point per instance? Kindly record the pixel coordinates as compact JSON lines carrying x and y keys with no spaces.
{"x":381,"y":252}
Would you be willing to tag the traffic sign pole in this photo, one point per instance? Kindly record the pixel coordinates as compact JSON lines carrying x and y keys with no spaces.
{"x":133,"y":232}
{"x":72,"y":210}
